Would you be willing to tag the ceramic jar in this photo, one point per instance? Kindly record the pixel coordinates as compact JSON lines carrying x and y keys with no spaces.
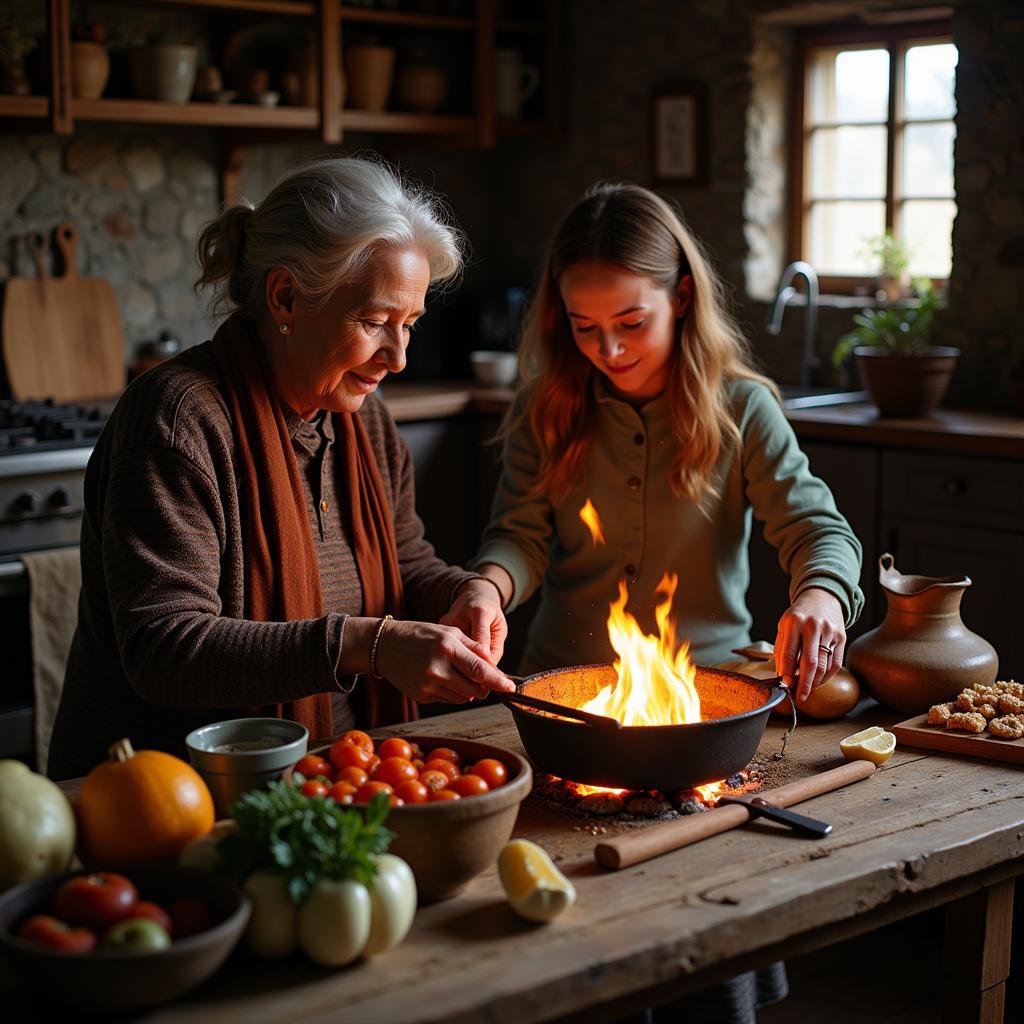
{"x":420,"y":85}
{"x":369,"y":70}
{"x":166,"y":71}
{"x":922,"y":653}
{"x":90,"y":69}
{"x":514,"y":82}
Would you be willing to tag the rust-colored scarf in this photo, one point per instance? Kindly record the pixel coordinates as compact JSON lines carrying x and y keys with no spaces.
{"x":282,"y":575}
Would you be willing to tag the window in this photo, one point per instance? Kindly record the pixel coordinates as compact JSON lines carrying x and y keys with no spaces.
{"x":875,"y":153}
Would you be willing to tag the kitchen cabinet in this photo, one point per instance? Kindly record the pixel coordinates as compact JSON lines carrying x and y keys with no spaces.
{"x":464,"y":44}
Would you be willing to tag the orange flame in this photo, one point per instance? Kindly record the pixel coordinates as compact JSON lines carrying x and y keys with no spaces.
{"x":593,"y":523}
{"x":655,"y":678}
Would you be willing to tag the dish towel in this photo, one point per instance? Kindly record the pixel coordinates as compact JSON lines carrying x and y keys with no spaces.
{"x":54,"y":582}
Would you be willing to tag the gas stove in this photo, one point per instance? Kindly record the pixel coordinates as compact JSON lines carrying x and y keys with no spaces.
{"x":44,"y":449}
{"x":47,"y":426}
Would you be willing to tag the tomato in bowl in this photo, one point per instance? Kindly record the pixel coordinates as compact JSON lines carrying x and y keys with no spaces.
{"x":445,"y":836}
{"x":134,"y":973}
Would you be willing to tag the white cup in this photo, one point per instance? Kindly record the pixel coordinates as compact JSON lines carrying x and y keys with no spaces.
{"x":514,"y":82}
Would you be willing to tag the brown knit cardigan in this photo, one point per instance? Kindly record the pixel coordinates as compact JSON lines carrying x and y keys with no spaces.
{"x":161,"y":645}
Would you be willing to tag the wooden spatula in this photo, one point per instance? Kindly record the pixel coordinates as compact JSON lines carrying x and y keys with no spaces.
{"x":62,"y":336}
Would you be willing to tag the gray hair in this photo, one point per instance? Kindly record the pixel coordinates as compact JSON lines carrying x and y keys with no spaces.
{"x":323,"y":222}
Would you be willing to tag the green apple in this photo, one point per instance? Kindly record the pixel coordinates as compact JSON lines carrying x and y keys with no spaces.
{"x":136,"y":935}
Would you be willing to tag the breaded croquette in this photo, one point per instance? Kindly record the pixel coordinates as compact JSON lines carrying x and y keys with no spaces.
{"x":1009,"y":727}
{"x":938,"y":713}
{"x":966,"y":700}
{"x":1010,"y":705}
{"x":968,"y":721}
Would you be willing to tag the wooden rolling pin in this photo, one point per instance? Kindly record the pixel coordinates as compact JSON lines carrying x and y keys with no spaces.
{"x":627,"y":850}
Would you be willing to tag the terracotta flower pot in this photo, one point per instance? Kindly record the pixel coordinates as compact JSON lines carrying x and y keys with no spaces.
{"x":906,"y":385}
{"x":90,"y":69}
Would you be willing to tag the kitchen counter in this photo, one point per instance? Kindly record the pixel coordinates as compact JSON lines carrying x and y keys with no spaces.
{"x":946,"y":430}
{"x":926,"y":830}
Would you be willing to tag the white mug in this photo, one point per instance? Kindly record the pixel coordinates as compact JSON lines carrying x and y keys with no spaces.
{"x":514,"y":82}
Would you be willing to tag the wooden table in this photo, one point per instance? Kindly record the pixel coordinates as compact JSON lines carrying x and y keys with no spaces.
{"x":925,"y":831}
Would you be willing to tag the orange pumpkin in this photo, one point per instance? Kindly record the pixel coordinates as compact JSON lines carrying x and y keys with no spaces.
{"x":140,"y":807}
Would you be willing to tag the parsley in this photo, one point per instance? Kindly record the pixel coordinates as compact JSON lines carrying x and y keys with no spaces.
{"x":305,"y":838}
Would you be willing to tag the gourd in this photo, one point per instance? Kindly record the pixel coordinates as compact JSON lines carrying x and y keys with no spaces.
{"x":37,"y":826}
{"x":141,"y":807}
{"x":830,"y":700}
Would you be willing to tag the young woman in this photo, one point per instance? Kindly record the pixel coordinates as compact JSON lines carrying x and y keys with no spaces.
{"x":639,"y":395}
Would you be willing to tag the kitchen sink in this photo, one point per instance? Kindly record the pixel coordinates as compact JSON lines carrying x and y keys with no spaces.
{"x":795,"y":396}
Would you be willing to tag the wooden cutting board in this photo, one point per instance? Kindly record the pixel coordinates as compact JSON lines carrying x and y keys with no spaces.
{"x":915,"y":732}
{"x":62,"y":336}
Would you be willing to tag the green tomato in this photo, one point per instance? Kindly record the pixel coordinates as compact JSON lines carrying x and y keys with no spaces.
{"x":136,"y":935}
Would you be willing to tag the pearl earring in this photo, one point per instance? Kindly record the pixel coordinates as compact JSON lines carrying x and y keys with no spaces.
{"x":285,"y":329}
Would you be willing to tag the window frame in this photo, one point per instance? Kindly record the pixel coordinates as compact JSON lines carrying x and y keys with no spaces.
{"x":897,"y":39}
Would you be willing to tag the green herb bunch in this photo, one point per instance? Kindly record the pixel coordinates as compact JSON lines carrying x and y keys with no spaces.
{"x":305,"y":838}
{"x":901,"y":330}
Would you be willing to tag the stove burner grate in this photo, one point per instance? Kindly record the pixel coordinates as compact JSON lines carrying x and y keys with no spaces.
{"x":46,"y":425}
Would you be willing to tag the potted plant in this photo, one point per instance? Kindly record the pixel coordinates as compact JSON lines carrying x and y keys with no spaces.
{"x":899,"y":367}
{"x":892,"y":258}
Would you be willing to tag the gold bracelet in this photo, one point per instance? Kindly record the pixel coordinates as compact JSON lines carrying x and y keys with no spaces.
{"x":376,"y":643}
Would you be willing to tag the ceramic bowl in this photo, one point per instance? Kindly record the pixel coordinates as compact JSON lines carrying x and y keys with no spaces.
{"x":116,"y":979}
{"x":448,"y":843}
{"x":494,"y":369}
{"x":242,"y":754}
{"x":268,"y":98}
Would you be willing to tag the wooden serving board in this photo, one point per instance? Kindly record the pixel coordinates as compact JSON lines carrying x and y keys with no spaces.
{"x":62,"y":336}
{"x":915,"y":732}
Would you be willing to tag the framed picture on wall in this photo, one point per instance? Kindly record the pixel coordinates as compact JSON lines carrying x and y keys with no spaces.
{"x":679,"y":136}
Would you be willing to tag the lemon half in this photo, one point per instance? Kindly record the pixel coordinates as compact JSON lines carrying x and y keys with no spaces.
{"x":874,"y":744}
{"x":535,"y":888}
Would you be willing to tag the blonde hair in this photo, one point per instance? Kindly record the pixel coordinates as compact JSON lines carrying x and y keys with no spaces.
{"x":631,"y":227}
{"x":322,"y":222}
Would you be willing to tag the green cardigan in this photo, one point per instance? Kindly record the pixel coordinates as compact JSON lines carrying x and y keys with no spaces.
{"x":649,"y":530}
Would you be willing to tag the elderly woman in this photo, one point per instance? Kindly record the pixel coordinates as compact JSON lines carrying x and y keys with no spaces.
{"x":250,"y":544}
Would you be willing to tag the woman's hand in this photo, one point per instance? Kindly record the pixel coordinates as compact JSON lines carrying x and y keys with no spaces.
{"x":476,"y":610}
{"x":437,"y":663}
{"x":811,"y":634}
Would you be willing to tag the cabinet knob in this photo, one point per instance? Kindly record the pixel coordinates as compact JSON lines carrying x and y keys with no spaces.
{"x":26,"y":502}
{"x":955,"y":485}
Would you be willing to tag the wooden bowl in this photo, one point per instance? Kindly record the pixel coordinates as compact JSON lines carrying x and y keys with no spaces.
{"x":115,"y":979}
{"x":450,"y":842}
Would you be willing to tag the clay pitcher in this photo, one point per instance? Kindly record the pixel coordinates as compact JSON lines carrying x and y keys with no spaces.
{"x":922,"y":653}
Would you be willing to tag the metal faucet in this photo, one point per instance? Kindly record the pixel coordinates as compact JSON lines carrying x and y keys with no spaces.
{"x":810,"y":364}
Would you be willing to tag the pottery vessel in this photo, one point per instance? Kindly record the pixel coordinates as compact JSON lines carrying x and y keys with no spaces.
{"x":165,"y":72}
{"x":369,"y":71}
{"x":514,"y":82}
{"x":420,"y":85}
{"x":90,"y":69}
{"x":922,"y":653}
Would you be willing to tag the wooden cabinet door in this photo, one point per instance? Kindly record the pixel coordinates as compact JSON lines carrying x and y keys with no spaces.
{"x":852,"y":475}
{"x":993,"y":606}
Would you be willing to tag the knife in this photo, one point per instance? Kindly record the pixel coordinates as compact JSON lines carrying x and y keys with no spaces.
{"x":760,"y":808}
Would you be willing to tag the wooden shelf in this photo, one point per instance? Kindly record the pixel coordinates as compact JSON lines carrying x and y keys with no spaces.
{"x":405,"y":123}
{"x":217,"y":115}
{"x":406,"y":19}
{"x":24,"y":106}
{"x":294,"y":8}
